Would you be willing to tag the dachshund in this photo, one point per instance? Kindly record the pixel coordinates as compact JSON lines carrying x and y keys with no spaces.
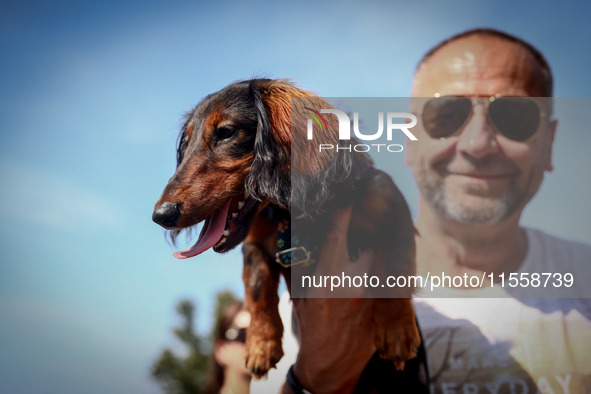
{"x":246,"y":168}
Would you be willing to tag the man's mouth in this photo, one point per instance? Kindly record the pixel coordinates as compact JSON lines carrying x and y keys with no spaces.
{"x":221,"y":229}
{"x":483,"y":176}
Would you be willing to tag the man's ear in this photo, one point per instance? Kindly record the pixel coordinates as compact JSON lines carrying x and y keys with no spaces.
{"x":410,"y":146}
{"x":552,"y":130}
{"x":409,"y":151}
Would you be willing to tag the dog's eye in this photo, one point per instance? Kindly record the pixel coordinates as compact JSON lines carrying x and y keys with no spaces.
{"x":224,"y":133}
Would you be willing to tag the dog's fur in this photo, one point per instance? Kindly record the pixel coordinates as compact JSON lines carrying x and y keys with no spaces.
{"x":242,"y":143}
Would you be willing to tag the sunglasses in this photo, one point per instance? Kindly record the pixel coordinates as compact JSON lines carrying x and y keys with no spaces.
{"x":517,"y":118}
{"x":236,"y":334}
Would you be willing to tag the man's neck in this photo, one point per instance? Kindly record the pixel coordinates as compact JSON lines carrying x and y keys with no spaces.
{"x":455,"y":248}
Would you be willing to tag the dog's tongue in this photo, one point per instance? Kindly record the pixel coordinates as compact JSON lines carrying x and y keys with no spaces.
{"x":210,"y":234}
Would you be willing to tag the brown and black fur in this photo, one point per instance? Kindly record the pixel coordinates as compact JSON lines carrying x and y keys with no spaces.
{"x":242,"y":141}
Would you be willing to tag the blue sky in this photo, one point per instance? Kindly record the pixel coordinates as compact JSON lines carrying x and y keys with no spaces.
{"x":91,"y":98}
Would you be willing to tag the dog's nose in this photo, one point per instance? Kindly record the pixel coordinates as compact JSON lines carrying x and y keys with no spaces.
{"x":167,"y":214}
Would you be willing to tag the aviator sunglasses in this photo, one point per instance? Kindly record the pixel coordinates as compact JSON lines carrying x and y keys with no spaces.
{"x":517,"y":118}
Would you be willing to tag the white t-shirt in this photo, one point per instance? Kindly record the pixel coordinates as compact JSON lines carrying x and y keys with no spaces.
{"x":509,"y":345}
{"x":501,"y":344}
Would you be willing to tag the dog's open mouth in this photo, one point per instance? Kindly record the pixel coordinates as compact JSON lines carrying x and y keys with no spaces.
{"x":225,"y":228}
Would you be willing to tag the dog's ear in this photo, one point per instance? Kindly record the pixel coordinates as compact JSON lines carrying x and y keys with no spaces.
{"x":315,"y":173}
{"x":269,"y":176}
{"x":288,"y":168}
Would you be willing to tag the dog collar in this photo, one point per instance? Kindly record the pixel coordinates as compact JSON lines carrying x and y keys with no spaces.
{"x":298,"y":249}
{"x":301,"y":252}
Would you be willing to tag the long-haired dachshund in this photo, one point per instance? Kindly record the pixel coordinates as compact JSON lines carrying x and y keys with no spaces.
{"x":246,"y":168}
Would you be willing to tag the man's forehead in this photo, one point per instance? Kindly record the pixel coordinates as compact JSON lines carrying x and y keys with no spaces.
{"x":480,"y":66}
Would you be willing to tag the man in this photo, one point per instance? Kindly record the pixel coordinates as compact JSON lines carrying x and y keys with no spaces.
{"x":474,"y":185}
{"x":475,"y":177}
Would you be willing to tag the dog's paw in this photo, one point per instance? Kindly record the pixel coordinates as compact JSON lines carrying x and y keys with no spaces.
{"x":262,"y":355}
{"x":397,"y":336}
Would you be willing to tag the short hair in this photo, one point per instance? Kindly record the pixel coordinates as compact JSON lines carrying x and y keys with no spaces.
{"x":488,"y":32}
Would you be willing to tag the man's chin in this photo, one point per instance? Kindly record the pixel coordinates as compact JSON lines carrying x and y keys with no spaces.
{"x":477,"y":210}
{"x":470,"y":204}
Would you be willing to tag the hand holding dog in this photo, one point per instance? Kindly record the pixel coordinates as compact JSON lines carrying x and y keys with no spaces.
{"x":337,"y":338}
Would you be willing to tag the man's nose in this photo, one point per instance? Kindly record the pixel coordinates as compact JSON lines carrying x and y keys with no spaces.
{"x":166,"y":214}
{"x":478,"y":137}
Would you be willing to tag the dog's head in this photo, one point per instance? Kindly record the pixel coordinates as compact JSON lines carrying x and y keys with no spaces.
{"x":240,"y":149}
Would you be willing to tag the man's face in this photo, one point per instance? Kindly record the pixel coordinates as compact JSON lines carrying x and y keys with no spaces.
{"x":479,"y":176}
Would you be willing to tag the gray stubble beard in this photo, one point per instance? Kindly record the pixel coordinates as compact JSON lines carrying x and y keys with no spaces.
{"x":434,"y":193}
